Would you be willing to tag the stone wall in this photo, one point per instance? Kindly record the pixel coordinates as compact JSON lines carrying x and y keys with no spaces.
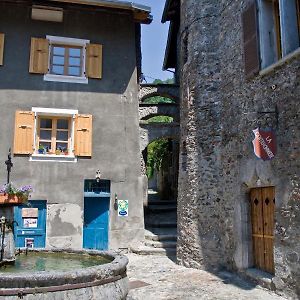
{"x":217,"y":164}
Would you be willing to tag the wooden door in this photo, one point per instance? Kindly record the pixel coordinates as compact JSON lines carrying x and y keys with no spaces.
{"x":262,"y":216}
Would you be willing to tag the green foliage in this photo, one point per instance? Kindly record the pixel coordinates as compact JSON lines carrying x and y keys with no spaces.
{"x":157,"y":100}
{"x":157,"y":151}
{"x":160,"y":119}
{"x":167,"y":81}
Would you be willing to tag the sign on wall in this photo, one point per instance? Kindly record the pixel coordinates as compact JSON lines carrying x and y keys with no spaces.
{"x":29,"y":242}
{"x":123,"y":208}
{"x":30,"y":222}
{"x":30,"y":212}
{"x":264,"y":144}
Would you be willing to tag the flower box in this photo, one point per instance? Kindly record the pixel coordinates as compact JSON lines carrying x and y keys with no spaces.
{"x":12,"y":199}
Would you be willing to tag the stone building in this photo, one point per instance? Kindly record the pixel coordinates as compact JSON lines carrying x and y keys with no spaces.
{"x":69,"y":83}
{"x":238,"y":67}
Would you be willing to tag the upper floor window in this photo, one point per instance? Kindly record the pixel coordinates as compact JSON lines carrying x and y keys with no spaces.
{"x":271,"y":31}
{"x":278,"y":29}
{"x":65,"y":59}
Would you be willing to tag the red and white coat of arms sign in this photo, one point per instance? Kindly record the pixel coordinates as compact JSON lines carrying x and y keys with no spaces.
{"x":264,"y":144}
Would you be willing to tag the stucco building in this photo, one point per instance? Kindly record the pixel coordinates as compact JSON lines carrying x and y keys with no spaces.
{"x":238,"y":67}
{"x":69,"y":82}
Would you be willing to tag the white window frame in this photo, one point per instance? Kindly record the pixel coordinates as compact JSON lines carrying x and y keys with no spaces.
{"x":54,"y":112}
{"x":70,"y":42}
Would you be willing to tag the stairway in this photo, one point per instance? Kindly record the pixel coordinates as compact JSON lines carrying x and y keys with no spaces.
{"x":160,"y":228}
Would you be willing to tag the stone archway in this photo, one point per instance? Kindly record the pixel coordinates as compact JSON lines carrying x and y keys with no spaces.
{"x":162,"y":109}
{"x":164,"y":90}
{"x":151,"y":132}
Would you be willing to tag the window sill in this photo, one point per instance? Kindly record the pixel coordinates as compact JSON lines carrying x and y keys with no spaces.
{"x":68,"y":79}
{"x":279,"y":63}
{"x":53,"y":157}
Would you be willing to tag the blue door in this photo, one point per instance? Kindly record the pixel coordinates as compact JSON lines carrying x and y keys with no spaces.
{"x":96,"y":214}
{"x":30,"y":224}
{"x":95,"y":229}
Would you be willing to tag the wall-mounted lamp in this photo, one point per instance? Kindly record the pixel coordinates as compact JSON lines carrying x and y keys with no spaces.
{"x":116,"y":202}
{"x":47,"y":13}
{"x":98,"y":176}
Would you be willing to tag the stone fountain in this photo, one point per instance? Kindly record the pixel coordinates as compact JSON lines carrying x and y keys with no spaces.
{"x":58,"y":274}
{"x":7,"y":244}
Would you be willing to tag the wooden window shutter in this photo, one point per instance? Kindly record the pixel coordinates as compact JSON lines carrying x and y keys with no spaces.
{"x":24,"y":132}
{"x":1,"y":48}
{"x":39,"y":56}
{"x":83,"y":135}
{"x":93,"y":61}
{"x":250,"y":40}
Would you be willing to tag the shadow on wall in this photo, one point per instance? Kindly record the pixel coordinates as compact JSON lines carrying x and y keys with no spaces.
{"x":117,"y":38}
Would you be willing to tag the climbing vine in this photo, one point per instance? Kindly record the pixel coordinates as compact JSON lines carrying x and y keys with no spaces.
{"x":157,"y":151}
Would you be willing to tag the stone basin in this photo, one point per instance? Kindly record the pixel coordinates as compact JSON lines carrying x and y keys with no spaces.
{"x":98,"y":281}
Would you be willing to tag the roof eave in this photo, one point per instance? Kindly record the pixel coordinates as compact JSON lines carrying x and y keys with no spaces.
{"x":166,"y":62}
{"x":141,"y":12}
{"x":165,"y":18}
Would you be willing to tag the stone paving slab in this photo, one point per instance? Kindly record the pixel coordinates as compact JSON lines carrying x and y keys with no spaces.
{"x":169,"y":281}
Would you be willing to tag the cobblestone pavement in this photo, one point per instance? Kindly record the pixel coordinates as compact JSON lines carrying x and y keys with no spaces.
{"x":167,"y":281}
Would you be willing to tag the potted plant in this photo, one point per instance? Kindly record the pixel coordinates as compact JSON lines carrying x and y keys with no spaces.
{"x":9,"y":194}
{"x":41,"y":149}
{"x":58,"y":152}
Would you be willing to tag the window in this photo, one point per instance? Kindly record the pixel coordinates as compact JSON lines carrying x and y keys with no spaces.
{"x":278,"y":29}
{"x":65,"y":59}
{"x":298,"y":16}
{"x":1,"y":48}
{"x":270,"y":35}
{"x":53,"y":134}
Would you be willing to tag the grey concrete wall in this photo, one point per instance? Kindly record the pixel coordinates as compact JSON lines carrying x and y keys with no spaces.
{"x":219,"y":110}
{"x":112,"y":101}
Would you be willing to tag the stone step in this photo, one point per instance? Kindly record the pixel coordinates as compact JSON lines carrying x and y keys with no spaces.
{"x":144,"y":250}
{"x":164,"y":244}
{"x":162,"y":202}
{"x":160,"y":238}
{"x":161,"y":208}
{"x":160,"y":224}
{"x":161,"y":215}
{"x":161,"y":232}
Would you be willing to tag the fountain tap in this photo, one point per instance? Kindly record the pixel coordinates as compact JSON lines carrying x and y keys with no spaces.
{"x":2,"y":222}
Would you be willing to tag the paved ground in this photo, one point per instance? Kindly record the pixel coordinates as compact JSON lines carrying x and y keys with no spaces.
{"x":164,"y":280}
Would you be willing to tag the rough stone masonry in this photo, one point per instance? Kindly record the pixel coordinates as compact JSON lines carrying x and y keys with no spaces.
{"x":219,"y":110}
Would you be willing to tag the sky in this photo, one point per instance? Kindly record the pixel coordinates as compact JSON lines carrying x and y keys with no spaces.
{"x":154,"y":39}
